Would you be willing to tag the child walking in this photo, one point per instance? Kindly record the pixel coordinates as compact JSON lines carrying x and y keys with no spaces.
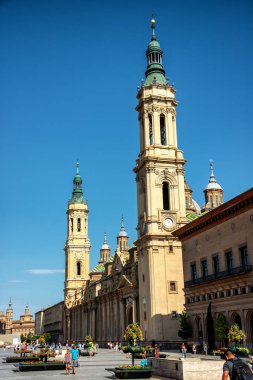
{"x":67,"y":359}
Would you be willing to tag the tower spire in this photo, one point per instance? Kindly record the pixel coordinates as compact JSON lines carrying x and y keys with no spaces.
{"x":155,"y":73}
{"x":153,"y":28}
{"x":77,"y":194}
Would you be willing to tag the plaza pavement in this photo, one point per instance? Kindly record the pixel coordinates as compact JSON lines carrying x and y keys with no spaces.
{"x":91,"y":368}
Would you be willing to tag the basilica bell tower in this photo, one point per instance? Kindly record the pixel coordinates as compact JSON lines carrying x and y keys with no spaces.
{"x":77,"y":248}
{"x":161,"y":202}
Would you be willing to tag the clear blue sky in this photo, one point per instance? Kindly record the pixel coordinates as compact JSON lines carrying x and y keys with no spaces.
{"x":68,"y":77}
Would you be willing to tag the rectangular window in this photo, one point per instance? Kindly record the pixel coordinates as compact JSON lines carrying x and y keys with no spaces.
{"x":244,"y":256}
{"x":194,"y":271}
{"x":229,"y":261}
{"x":172,"y":287}
{"x":217,"y":200}
{"x":186,"y":203}
{"x":204,"y":268}
{"x":243,"y":290}
{"x":71,"y":224}
{"x":216,"y":264}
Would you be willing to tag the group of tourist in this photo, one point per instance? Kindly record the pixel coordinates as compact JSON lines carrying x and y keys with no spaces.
{"x":193,"y":349}
{"x":114,"y":346}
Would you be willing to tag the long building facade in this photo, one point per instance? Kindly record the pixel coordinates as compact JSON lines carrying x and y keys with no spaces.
{"x":144,"y":282}
{"x":218,"y":267}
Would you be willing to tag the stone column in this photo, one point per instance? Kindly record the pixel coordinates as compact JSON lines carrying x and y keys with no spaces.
{"x":134,"y":309}
{"x":122,"y":316}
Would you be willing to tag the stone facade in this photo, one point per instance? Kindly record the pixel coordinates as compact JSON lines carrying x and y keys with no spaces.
{"x":50,"y":320}
{"x":144,"y":283}
{"x":24,"y":325}
{"x":218,"y":266}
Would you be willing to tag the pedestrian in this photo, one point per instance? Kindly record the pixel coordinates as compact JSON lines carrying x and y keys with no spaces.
{"x":205,"y":349}
{"x":235,"y":368}
{"x":156,"y":351}
{"x":183,"y":350}
{"x":74,"y":356}
{"x":67,"y":359}
{"x":194,"y":349}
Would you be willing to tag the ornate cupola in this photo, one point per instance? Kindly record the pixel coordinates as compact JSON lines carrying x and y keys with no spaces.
{"x":213,"y":192}
{"x":77,"y":194}
{"x":105,"y":251}
{"x":155,"y":72}
{"x":122,"y":238}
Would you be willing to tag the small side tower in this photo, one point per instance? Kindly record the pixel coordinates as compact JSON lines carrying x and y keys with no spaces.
{"x":213,"y":192}
{"x":122,"y":238}
{"x":77,"y":248}
{"x":9,"y":318}
{"x":105,"y":251}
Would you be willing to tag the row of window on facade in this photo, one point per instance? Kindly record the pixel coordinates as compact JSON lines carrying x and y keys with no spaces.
{"x":243,"y":251}
{"x":220,"y":294}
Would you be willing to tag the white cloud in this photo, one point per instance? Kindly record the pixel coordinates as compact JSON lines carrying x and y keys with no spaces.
{"x":45,"y":271}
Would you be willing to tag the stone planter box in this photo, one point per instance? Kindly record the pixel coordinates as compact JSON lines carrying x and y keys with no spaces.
{"x":15,"y":359}
{"x":126,"y":373}
{"x":23,"y":367}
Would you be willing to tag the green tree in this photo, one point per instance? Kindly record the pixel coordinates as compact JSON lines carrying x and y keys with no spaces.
{"x":185,"y":331}
{"x":221,"y":328}
{"x":133,"y":334}
{"x":47,"y":337}
{"x":236,"y":335}
{"x":22,"y":338}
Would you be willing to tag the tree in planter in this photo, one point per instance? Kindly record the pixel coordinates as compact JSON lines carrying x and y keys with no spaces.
{"x":221,"y":329}
{"x":236,"y":335}
{"x":185,"y":331}
{"x":22,"y":338}
{"x":133,"y":334}
{"x":47,"y":337}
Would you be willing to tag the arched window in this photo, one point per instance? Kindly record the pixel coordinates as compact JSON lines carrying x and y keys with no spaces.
{"x":162,"y":130}
{"x":79,"y":224}
{"x":166,"y":196}
{"x":71,"y":224}
{"x":186,"y":202}
{"x":78,"y":268}
{"x":151,"y":139}
{"x":217,"y":200}
{"x":211,"y":200}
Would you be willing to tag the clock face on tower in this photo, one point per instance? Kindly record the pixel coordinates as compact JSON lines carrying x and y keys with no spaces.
{"x":168,"y":222}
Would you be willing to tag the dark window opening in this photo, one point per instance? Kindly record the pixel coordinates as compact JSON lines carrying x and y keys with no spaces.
{"x":162,"y":130}
{"x":244,"y":256}
{"x":221,"y":294}
{"x":78,"y":268}
{"x":235,"y":292}
{"x":173,"y":286}
{"x":79,"y":224}
{"x":143,"y":277}
{"x":216,"y":265}
{"x":217,"y":200}
{"x":229,"y":261}
{"x":194,"y":271}
{"x":211,"y":201}
{"x":171,"y":248}
{"x":166,"y":199}
{"x":204,"y":268}
{"x":71,"y":224}
{"x":186,"y":202}
{"x":243,"y":290}
{"x":151,"y":139}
